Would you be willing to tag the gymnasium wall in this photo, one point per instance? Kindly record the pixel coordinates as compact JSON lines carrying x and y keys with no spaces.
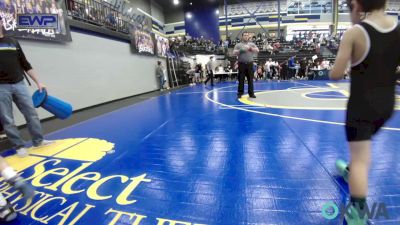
{"x":177,"y":28}
{"x":90,"y":70}
{"x":157,"y":11}
{"x":174,"y":14}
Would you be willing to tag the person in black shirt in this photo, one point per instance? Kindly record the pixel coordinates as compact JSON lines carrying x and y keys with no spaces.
{"x":12,"y":58}
{"x":13,"y":65}
{"x":2,"y":135}
{"x":198,"y":73}
{"x":284,"y":70}
{"x":398,"y":75}
{"x":373,"y":47}
{"x":303,"y":67}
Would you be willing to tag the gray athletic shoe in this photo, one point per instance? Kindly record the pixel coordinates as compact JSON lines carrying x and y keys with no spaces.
{"x":343,"y":169}
{"x":44,"y":143}
{"x":22,"y":152}
{"x":7,"y":213}
{"x":27,"y":190}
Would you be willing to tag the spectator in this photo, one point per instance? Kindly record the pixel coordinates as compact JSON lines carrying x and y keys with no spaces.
{"x":275,"y":69}
{"x":198,"y":73}
{"x":2,"y":134}
{"x":13,"y":66}
{"x":284,"y":70}
{"x":291,"y":67}
{"x":268,"y":66}
{"x":160,"y":75}
{"x":255,"y":66}
{"x":210,"y":71}
{"x":270,"y":49}
{"x":260,"y":72}
{"x":317,"y":47}
{"x":303,"y":67}
{"x":276,"y":47}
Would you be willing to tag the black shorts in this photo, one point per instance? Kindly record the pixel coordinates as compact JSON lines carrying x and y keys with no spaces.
{"x":362,"y":130}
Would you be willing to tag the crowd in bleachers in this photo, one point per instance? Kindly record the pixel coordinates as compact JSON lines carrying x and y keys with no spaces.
{"x":292,"y":68}
{"x":102,"y":13}
{"x":98,"y":12}
{"x":308,"y":45}
{"x":30,"y":6}
{"x":284,"y":64}
{"x":201,"y":44}
{"x":317,"y":40}
{"x":187,"y":43}
{"x":273,"y":45}
{"x":277,"y":58}
{"x":271,"y":69}
{"x":264,"y":43}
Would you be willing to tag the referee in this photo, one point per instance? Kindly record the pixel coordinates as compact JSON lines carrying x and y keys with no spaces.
{"x":245,"y":51}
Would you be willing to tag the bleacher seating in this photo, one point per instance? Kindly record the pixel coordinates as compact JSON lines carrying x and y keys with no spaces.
{"x":99,"y":13}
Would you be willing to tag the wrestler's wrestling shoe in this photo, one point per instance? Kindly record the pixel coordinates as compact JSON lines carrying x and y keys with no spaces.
{"x":343,"y":169}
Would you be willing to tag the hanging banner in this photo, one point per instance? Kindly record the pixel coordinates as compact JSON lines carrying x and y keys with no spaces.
{"x":142,"y":41}
{"x":162,"y":46}
{"x":10,"y":10}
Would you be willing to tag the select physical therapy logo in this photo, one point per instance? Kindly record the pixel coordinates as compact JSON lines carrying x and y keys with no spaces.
{"x":63,"y":175}
{"x":37,"y":21}
{"x":331,"y":211}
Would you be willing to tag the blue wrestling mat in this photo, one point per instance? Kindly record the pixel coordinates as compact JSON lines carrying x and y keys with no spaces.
{"x":200,"y":156}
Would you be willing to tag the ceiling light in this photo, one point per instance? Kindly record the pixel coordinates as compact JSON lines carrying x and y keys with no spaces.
{"x":176,"y":2}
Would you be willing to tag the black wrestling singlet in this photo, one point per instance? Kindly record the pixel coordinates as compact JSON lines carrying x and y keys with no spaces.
{"x":373,"y":83}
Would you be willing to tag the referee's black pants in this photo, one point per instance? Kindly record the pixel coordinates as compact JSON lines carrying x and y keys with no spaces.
{"x":210,"y":77}
{"x":246,"y":70}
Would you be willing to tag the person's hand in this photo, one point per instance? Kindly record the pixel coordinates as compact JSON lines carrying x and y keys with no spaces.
{"x":41,"y":87}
